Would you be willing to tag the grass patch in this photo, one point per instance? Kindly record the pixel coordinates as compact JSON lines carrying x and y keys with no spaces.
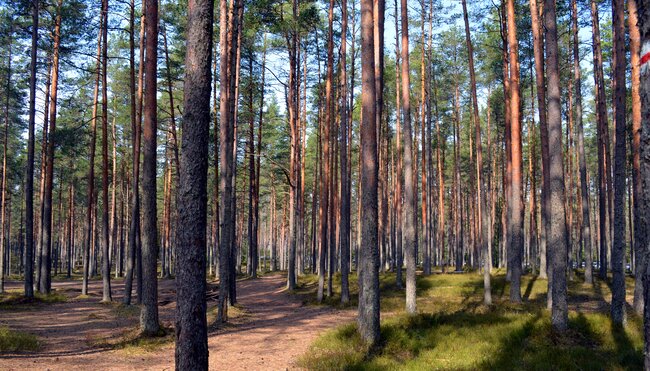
{"x":454,"y":330}
{"x":237,"y":315}
{"x":134,"y":342}
{"x":16,"y":341}
{"x":125,"y":311}
{"x":12,"y":299}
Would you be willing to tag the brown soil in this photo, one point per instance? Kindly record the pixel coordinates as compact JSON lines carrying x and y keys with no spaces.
{"x":77,"y":334}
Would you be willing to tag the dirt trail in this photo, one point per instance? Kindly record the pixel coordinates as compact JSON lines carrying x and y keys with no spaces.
{"x":278,"y":329}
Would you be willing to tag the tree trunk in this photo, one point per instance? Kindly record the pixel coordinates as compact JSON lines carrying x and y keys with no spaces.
{"x":557,"y":236}
{"x":345,"y":179}
{"x":3,"y":202}
{"x":191,"y":325}
{"x":369,"y":252}
{"x":620,"y":162}
{"x":149,"y":312}
{"x":516,"y":221}
{"x":409,"y":178}
{"x":487,"y":291}
{"x":584,"y":186}
{"x":106,"y":261}
{"x":644,"y":93}
{"x":324,"y":159}
{"x":601,"y":115}
{"x":136,"y":119}
{"x":29,"y":173}
{"x":46,"y":265}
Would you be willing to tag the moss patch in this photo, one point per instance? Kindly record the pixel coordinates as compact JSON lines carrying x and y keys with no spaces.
{"x":454,"y":330}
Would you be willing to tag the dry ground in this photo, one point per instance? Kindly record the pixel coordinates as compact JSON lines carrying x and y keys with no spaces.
{"x":80,"y":334}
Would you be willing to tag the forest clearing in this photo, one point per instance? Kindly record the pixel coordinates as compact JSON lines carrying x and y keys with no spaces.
{"x":312,"y":184}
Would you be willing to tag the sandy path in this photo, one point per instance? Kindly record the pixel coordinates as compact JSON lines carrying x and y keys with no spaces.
{"x":278,"y":330}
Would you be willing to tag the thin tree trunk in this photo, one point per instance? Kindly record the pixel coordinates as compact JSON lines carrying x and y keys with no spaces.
{"x":106,"y":261}
{"x":410,"y":236}
{"x":620,"y":164}
{"x":46,"y":265}
{"x":345,"y":179}
{"x":29,"y":173}
{"x":584,"y":187}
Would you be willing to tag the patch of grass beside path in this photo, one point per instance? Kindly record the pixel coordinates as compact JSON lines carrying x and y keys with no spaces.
{"x":15,"y":298}
{"x":16,"y":341}
{"x":454,"y":330}
{"x":134,"y":342}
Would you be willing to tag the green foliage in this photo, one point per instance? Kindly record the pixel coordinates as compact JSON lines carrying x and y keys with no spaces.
{"x":16,"y":341}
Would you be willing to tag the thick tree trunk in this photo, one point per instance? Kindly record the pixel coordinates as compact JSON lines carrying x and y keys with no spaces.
{"x":191,"y":325}
{"x":640,"y":228}
{"x":516,"y":221}
{"x":369,"y":250}
{"x":149,"y":312}
{"x":557,"y":236}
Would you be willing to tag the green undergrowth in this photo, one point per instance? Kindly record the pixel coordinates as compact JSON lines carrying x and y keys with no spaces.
{"x":134,"y":342}
{"x":16,"y":341}
{"x":454,"y":330}
{"x":12,"y":299}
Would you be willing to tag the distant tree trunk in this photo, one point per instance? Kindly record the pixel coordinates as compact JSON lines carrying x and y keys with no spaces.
{"x":369,"y":251}
{"x":409,"y":178}
{"x":345,"y":180}
{"x":538,"y":50}
{"x":557,"y":236}
{"x":398,"y":149}
{"x":191,"y":325}
{"x":584,"y":186}
{"x":601,"y":115}
{"x":487,"y":294}
{"x":325,"y":155}
{"x":226,"y":147}
{"x":620,"y":162}
{"x":3,"y":202}
{"x":252,"y":184}
{"x":106,"y":261}
{"x":91,"y":167}
{"x":29,"y":173}
{"x":516,"y":222}
{"x":45,"y":284}
{"x":640,"y":229}
{"x":136,"y":119}
{"x":149,"y":313}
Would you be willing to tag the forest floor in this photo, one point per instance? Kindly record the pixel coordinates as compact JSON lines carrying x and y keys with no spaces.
{"x":454,"y":330}
{"x":270,"y":329}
